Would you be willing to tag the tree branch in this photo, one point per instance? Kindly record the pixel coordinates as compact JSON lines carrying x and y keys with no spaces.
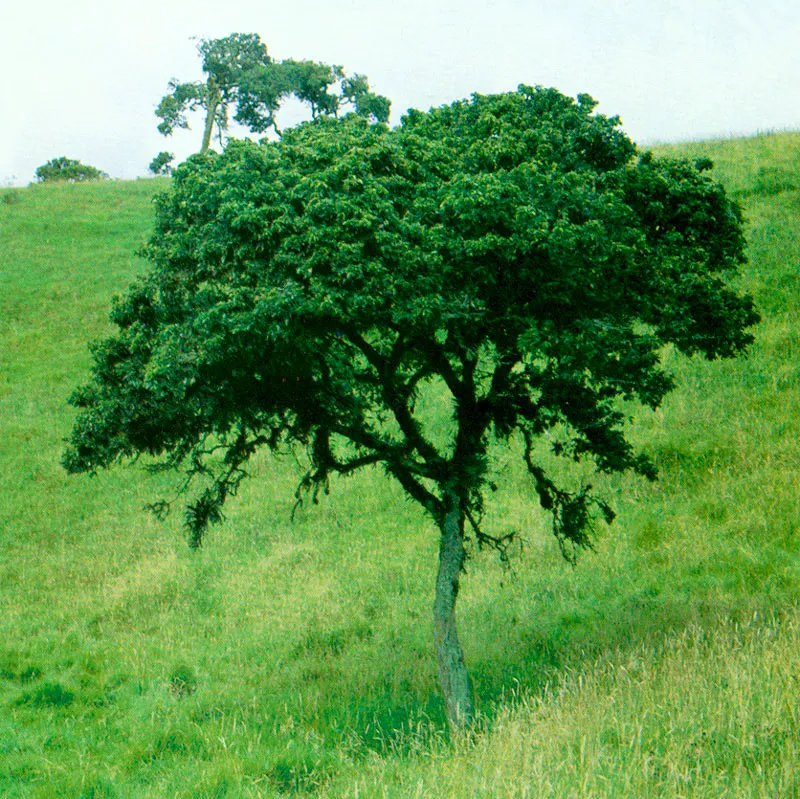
{"x":416,"y":490}
{"x":572,"y":512}
{"x":500,"y":544}
{"x":397,"y":401}
{"x":440,"y":363}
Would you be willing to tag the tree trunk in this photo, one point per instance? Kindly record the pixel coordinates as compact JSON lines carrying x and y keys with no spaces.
{"x":211,"y":112}
{"x":453,"y":676}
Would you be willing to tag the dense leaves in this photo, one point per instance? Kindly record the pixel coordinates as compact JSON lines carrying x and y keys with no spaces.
{"x":515,"y":250}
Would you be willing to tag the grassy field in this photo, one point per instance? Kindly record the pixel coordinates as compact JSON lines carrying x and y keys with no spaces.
{"x":296,"y":658}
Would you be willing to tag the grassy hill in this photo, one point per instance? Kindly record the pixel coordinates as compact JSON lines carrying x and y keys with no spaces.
{"x":296,"y":658}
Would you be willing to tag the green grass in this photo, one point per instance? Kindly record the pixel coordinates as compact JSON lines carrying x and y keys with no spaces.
{"x":296,"y":658}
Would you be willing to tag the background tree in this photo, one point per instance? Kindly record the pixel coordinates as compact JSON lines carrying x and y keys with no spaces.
{"x":512,"y":254}
{"x":224,"y":62}
{"x":356,"y":91}
{"x":162,"y":163}
{"x":241,"y":76}
{"x":67,"y":170}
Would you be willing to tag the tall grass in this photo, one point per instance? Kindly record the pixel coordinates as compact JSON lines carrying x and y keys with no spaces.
{"x":296,"y":658}
{"x":684,"y":714}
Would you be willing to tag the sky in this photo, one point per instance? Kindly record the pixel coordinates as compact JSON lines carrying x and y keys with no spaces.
{"x":82,"y":78}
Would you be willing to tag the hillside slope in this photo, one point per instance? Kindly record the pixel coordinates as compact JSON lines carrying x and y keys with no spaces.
{"x":295,"y":658}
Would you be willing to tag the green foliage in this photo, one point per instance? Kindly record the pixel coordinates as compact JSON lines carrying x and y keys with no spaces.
{"x":67,"y":170}
{"x":162,"y":163}
{"x":514,"y":248}
{"x":182,"y":97}
{"x":226,"y":59}
{"x":242,"y":77}
{"x":366,"y":103}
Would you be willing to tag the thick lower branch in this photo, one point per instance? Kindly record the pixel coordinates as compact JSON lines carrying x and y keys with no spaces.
{"x":415,"y":489}
{"x":396,"y":398}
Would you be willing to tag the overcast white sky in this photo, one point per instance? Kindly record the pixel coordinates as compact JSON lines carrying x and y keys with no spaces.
{"x":82,"y":78}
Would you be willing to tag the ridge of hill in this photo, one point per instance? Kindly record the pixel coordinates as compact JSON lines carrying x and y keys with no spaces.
{"x":295,"y":658}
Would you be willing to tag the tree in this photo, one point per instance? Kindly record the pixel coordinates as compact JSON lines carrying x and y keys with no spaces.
{"x":162,"y":163}
{"x":366,"y":103}
{"x":513,"y":251}
{"x":241,"y":75}
{"x":67,"y":170}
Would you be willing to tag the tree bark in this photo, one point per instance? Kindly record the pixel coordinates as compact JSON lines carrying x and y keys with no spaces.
{"x":455,"y":682}
{"x":211,"y":112}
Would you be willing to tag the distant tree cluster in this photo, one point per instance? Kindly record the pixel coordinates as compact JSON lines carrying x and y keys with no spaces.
{"x":243,"y":80}
{"x":68,"y":170}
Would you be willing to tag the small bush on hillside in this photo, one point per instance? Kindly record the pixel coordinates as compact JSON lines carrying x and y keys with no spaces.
{"x":68,"y":170}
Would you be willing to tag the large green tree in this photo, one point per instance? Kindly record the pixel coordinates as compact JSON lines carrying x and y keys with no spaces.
{"x":243,"y":78}
{"x":514,"y":252}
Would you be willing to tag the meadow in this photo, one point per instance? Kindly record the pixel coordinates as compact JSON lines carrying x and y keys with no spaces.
{"x":295,"y":658}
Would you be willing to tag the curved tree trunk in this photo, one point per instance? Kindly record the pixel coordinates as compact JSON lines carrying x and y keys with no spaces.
{"x":213,"y":102}
{"x":455,"y":681}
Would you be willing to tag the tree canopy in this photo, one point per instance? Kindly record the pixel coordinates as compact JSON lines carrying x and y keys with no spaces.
{"x":514,"y":251}
{"x":241,"y":76}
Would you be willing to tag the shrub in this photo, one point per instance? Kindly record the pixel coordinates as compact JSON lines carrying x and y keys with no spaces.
{"x":67,"y":170}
